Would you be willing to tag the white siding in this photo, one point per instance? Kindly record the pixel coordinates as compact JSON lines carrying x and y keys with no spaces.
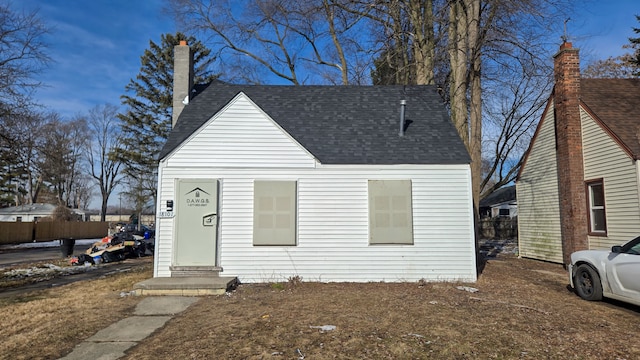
{"x":242,"y":144}
{"x":241,"y":135}
{"x":539,"y":234}
{"x":603,"y":158}
{"x":333,"y":225}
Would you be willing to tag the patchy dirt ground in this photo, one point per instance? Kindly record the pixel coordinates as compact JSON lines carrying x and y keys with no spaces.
{"x":522,"y":310}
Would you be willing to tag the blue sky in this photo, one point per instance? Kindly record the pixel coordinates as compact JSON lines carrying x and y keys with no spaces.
{"x":96,"y":44}
{"x":96,"y":47}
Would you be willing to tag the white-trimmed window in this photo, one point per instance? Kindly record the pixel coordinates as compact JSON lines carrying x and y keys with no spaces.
{"x":274,"y":212}
{"x":597,"y":213}
{"x":390,"y":212}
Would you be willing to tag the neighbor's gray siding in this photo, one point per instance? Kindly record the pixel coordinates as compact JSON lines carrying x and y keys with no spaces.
{"x":538,"y":202}
{"x":332,"y":216}
{"x":604,"y":158}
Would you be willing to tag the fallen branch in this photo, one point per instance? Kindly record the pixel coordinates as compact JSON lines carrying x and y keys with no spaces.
{"x":510,"y":304}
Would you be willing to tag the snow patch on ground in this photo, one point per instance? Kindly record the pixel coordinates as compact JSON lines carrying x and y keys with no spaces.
{"x":45,"y":271}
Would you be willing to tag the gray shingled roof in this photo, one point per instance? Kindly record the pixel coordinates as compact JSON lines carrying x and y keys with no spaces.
{"x":504,"y":194}
{"x":342,"y":124}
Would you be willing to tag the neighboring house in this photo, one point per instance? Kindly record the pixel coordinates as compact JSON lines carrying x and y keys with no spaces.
{"x":271,"y":182}
{"x":31,"y":212}
{"x":500,"y":203}
{"x":26,"y":213}
{"x":578,"y":186}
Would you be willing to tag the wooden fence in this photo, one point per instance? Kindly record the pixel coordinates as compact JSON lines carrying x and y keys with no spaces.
{"x":21,"y":232}
{"x":499,"y":228}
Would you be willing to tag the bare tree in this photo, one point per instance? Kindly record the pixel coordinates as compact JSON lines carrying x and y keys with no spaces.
{"x":64,"y":142}
{"x":104,"y":167}
{"x":82,"y":191}
{"x":22,"y":55}
{"x":511,"y":116}
{"x":21,"y":155}
{"x":283,"y":37}
{"x":462,"y":46}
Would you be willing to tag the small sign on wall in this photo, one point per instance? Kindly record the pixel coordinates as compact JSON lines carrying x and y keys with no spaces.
{"x":166,"y":214}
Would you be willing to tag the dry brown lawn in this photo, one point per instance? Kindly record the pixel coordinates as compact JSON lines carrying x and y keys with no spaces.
{"x":523,"y":310}
{"x":48,"y":324}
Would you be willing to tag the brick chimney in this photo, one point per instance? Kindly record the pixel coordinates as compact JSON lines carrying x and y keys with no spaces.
{"x":566,"y":99}
{"x":182,"y":79}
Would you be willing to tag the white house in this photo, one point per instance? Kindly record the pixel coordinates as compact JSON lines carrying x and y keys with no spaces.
{"x":32,"y":212}
{"x":500,"y":203}
{"x":329,"y":183}
{"x":26,"y":213}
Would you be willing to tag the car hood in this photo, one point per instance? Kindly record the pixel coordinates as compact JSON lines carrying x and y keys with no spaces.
{"x":593,"y":255}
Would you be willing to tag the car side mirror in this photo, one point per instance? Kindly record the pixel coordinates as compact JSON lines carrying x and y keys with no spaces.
{"x":616,"y":249}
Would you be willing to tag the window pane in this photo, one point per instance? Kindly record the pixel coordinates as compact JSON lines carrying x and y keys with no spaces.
{"x":265,"y":203}
{"x":382,"y":220}
{"x":283,"y":221}
{"x":381,"y":203}
{"x":597,"y":218}
{"x":597,"y":195}
{"x":400,"y":220}
{"x":399,"y":203}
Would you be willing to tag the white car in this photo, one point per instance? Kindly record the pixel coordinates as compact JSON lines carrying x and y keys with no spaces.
{"x":613,"y":274}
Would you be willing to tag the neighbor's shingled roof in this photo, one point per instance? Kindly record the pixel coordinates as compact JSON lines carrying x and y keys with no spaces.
{"x":499,"y":196}
{"x":616,"y":103}
{"x":342,"y":124}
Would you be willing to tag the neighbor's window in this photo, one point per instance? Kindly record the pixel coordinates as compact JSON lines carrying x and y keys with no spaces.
{"x":390,"y":212}
{"x":597,"y":214}
{"x":503,"y":212}
{"x":274,"y":212}
{"x":18,"y":218}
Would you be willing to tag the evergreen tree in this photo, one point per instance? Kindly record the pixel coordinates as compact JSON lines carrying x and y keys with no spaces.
{"x":635,"y":45}
{"x":147,"y":121}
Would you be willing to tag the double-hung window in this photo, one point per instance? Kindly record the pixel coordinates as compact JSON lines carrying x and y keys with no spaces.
{"x":595,"y":201}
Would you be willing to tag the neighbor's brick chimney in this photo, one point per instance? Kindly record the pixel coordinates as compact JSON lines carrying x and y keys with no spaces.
{"x":566,"y":99}
{"x":182,"y":78}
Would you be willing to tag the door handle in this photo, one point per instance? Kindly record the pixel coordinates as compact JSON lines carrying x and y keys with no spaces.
{"x":209,"y":220}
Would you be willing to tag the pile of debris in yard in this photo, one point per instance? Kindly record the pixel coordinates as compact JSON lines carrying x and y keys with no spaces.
{"x":116,"y":247}
{"x":490,"y":248}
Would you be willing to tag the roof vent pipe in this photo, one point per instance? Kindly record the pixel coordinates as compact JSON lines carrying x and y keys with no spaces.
{"x":403,"y":104}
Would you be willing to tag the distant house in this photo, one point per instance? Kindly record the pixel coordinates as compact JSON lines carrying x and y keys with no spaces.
{"x":329,"y":183}
{"x":31,"y":213}
{"x":26,"y":213}
{"x":579,"y":185}
{"x":500,"y":203}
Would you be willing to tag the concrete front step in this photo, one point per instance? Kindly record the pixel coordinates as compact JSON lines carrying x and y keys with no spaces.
{"x":186,"y":286}
{"x":195,"y":271}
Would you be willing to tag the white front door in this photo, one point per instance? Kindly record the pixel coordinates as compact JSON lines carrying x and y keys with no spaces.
{"x":196,"y":220}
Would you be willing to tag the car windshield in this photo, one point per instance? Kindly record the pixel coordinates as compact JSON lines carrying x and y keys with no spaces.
{"x":632,"y":247}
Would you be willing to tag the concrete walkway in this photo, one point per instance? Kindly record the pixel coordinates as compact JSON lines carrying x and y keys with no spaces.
{"x":150,"y":314}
